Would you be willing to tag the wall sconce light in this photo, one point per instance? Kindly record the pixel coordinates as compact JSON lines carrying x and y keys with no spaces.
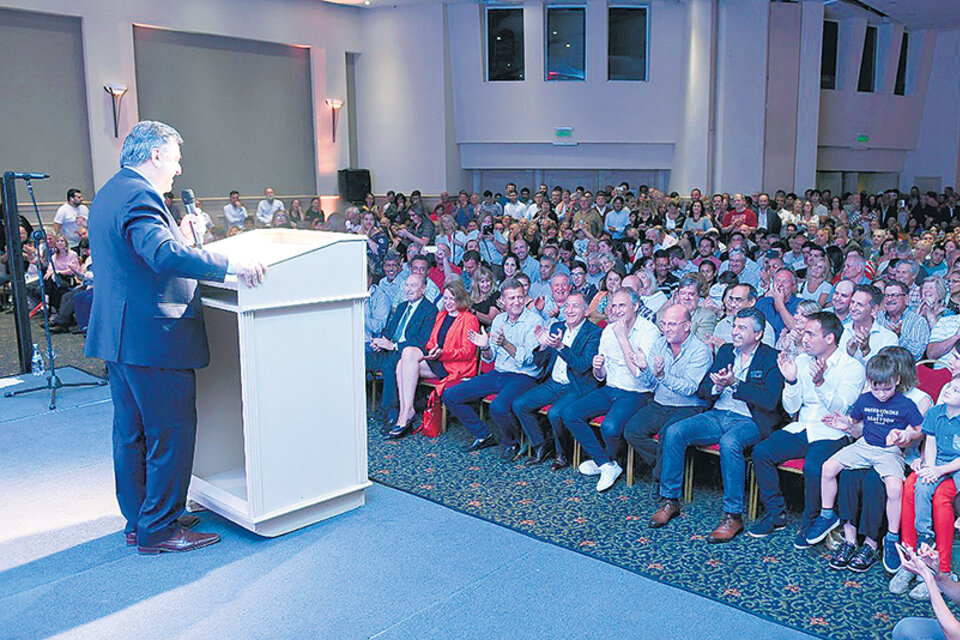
{"x":335,"y":106}
{"x":116,"y":91}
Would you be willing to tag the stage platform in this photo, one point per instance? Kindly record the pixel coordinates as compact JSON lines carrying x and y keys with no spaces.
{"x":399,"y":567}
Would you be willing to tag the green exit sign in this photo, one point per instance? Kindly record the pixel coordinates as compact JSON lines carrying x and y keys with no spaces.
{"x":863,"y":138}
{"x":563,"y":132}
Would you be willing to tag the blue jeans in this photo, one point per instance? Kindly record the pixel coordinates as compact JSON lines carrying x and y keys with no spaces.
{"x":918,"y":629}
{"x":559,"y":397}
{"x":507,"y":386}
{"x":923,"y":501}
{"x":731,"y":430}
{"x":780,"y":447}
{"x":618,"y":405}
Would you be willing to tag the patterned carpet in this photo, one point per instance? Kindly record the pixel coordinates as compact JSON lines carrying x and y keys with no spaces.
{"x":767,"y":578}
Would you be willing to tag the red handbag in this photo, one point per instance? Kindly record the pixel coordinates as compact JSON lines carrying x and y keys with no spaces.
{"x":432,"y":416}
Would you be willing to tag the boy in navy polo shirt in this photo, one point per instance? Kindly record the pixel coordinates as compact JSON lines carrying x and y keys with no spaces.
{"x":890,"y":420}
{"x":941,"y":457}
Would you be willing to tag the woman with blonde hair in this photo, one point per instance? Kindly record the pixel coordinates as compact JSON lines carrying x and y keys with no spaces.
{"x":484,"y":296}
{"x":449,"y":356}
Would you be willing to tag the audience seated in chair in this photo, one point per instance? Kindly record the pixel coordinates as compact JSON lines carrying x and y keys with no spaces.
{"x":620,"y":363}
{"x":448,"y":357}
{"x":510,"y":345}
{"x":822,"y":381}
{"x":565,"y":353}
{"x":744,"y":386}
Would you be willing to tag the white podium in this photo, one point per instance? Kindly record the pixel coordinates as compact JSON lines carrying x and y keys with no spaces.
{"x":281,"y":414}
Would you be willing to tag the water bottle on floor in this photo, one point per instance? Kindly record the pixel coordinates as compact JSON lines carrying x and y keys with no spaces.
{"x":36,"y":364}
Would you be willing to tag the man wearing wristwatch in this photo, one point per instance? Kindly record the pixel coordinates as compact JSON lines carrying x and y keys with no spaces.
{"x":744,"y":386}
{"x":822,"y":381}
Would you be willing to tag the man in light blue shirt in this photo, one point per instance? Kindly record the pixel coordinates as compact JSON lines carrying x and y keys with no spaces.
{"x":509,"y":345}
{"x":528,"y":264}
{"x":617,"y":219}
{"x":679,"y":361}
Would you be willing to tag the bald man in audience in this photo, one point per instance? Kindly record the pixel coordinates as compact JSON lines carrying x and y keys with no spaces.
{"x":744,"y":386}
{"x":840,"y":301}
{"x":679,"y":361}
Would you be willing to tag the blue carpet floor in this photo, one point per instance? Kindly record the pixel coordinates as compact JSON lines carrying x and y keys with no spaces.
{"x":37,"y":403}
{"x":400,"y":567}
{"x":766,"y":577}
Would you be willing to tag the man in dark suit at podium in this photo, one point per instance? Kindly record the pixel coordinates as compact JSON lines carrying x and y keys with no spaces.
{"x":409,"y":325}
{"x":147,"y":325}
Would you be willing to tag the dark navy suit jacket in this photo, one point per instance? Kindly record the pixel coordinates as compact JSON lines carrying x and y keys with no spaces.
{"x":146,"y":308}
{"x":419,"y":326}
{"x":579,"y":357}
{"x":761,"y":391}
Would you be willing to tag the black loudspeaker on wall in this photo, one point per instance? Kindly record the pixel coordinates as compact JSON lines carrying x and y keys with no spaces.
{"x":354,"y":184}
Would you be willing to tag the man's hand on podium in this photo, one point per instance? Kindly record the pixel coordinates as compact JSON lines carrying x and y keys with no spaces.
{"x":251,"y":272}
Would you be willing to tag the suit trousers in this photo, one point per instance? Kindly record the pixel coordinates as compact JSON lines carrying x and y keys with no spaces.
{"x":507,"y":386}
{"x":154,"y":431}
{"x":386,"y":363}
{"x":559,"y":397}
{"x":619,"y":405}
{"x":652,"y":420}
{"x":780,"y":447}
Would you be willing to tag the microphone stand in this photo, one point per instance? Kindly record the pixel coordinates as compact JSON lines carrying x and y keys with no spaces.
{"x":53,"y":380}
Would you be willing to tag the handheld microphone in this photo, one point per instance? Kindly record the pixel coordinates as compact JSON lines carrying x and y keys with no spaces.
{"x":31,"y":176}
{"x":187,"y":196}
{"x":188,"y":206}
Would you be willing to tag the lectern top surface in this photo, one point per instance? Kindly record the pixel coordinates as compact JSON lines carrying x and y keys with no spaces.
{"x":273,"y":246}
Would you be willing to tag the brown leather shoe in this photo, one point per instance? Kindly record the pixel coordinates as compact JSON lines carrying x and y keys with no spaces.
{"x":669,"y":509}
{"x":728,"y":529}
{"x":187,"y":521}
{"x":182,"y":540}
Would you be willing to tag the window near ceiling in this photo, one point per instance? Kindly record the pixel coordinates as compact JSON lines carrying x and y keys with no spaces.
{"x":900,"y":84}
{"x":626,"y":43}
{"x":504,"y":44}
{"x":828,"y":57}
{"x":566,"y":43}
{"x":868,"y":63}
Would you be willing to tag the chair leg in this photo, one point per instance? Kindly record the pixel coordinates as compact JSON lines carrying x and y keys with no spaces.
{"x":754,"y":490}
{"x":688,"y":477}
{"x":629,"y":466}
{"x":576,"y":454}
{"x":443,"y":418}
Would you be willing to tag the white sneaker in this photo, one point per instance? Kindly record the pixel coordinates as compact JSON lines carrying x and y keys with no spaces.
{"x":608,"y":475}
{"x":589,"y":468}
{"x":920,"y":592}
{"x":901,"y":581}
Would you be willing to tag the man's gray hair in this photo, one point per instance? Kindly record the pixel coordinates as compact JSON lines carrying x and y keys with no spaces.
{"x":144,"y":138}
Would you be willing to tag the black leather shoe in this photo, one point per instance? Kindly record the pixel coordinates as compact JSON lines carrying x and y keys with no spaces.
{"x":400,"y":432}
{"x":182,"y":540}
{"x":540,"y":454}
{"x":560,"y":462}
{"x":186,"y":521}
{"x":511,"y":453}
{"x":481,"y":443}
